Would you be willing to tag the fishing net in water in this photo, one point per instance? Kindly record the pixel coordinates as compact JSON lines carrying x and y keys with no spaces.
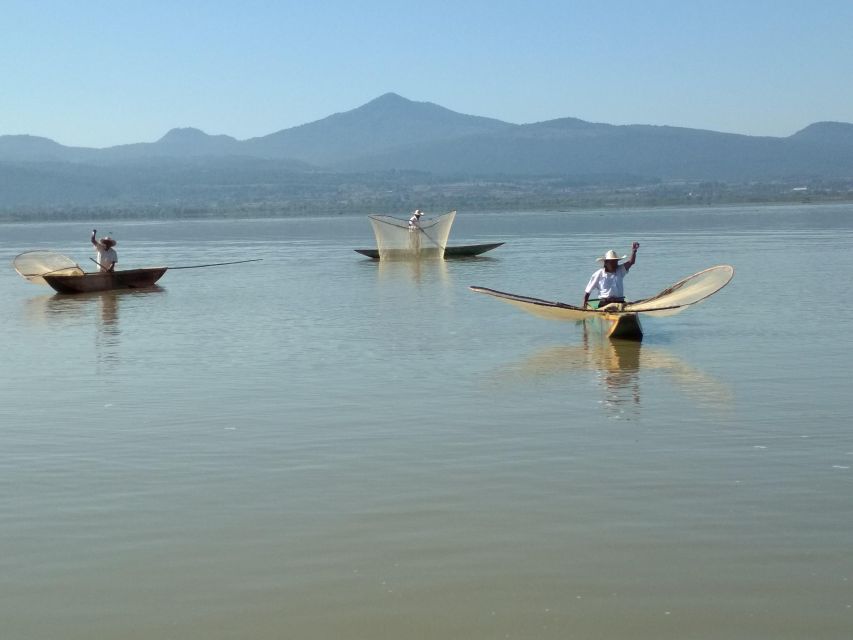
{"x":684,"y":293}
{"x":396,"y":240}
{"x":32,"y":265}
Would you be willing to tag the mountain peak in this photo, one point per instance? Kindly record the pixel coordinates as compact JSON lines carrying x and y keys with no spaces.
{"x":826,"y":131}
{"x":391,"y":98}
{"x":183,"y":135}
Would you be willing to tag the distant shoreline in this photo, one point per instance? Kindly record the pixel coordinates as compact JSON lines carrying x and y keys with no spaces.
{"x":142,"y":213}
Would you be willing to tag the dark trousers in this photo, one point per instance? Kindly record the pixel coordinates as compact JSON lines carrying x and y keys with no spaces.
{"x":605,"y":301}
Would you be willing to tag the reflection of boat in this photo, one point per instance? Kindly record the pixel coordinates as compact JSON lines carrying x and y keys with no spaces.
{"x":621,"y":320}
{"x":461,"y":251}
{"x":105,"y":281}
{"x":620,"y":366}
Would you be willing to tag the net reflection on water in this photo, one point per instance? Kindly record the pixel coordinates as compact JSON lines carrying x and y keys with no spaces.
{"x":621,"y":366}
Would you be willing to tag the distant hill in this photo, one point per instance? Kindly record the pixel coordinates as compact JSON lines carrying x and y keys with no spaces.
{"x":392,"y":134}
{"x":388,"y":122}
{"x":826,"y":133}
{"x":177,"y":143}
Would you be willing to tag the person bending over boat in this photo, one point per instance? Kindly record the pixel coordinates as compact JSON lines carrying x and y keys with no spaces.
{"x":608,"y":280}
{"x":107,"y":256}
{"x":414,"y":221}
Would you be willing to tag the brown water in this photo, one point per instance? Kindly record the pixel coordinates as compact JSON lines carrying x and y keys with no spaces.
{"x":320,"y":446}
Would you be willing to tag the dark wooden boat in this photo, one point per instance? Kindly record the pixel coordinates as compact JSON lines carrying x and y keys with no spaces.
{"x":461,"y":251}
{"x":105,"y":281}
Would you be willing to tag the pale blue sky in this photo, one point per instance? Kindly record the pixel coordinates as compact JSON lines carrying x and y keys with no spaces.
{"x":99,"y":73}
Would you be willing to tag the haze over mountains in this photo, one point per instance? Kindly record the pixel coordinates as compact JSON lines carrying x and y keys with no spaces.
{"x":393,"y":134}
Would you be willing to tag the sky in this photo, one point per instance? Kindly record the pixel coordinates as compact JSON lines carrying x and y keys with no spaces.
{"x":100,"y":73}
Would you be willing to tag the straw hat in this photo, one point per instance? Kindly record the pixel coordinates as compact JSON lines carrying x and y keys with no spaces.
{"x":610,"y":255}
{"x":108,"y":242}
{"x":419,"y":213}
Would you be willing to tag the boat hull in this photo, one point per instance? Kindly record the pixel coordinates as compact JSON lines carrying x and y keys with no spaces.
{"x":625,"y":326}
{"x":461,"y":251}
{"x":105,"y":281}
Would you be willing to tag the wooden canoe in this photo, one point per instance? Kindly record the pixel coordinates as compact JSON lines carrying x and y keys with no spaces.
{"x":105,"y":281}
{"x":461,"y":251}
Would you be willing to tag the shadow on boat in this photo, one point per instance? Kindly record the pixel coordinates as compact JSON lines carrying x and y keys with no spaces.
{"x":620,"y":367}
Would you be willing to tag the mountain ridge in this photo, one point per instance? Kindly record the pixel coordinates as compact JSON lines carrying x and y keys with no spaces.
{"x":391,"y":133}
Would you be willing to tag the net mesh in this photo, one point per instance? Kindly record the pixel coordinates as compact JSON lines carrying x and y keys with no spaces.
{"x":395,"y":240}
{"x":32,"y":265}
{"x":684,"y":293}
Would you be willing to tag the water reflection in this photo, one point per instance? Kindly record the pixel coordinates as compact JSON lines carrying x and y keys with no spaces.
{"x":417,"y":271}
{"x":620,"y":367}
{"x":101,"y":309}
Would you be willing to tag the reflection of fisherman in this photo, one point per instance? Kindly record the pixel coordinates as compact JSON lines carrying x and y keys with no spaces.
{"x":608,"y":279}
{"x":107,"y":256}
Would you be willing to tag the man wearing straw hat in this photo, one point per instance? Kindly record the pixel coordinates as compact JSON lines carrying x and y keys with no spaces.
{"x":608,"y":279}
{"x":107,"y":256}
{"x":414,"y":221}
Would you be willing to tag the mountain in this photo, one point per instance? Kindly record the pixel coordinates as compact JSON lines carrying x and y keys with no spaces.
{"x":390,"y":121}
{"x":177,"y":143}
{"x":26,"y":148}
{"x":572,"y":147}
{"x":826,"y":133}
{"x":392,"y":133}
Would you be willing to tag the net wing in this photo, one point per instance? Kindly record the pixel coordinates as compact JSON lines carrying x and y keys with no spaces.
{"x":684,"y":293}
{"x":32,"y":265}
{"x":541,"y":308}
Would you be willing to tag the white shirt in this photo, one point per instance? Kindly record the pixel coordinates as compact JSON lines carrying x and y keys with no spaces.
{"x":106,"y":257}
{"x":609,"y":285}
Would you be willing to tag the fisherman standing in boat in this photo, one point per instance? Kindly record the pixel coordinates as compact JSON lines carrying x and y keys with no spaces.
{"x":414,"y":221}
{"x":414,"y":231}
{"x":608,"y":279}
{"x":107,"y":256}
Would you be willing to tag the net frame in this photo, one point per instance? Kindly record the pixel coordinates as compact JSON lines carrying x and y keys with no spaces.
{"x":33,"y":265}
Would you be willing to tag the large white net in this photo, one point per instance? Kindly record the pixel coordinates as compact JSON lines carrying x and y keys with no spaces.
{"x":32,"y":265}
{"x":684,"y":293}
{"x":668,"y":302}
{"x":397,"y":240}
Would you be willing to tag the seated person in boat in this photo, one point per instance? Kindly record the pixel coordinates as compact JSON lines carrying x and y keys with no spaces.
{"x":107,"y":256}
{"x":414,"y":221}
{"x":608,"y":280}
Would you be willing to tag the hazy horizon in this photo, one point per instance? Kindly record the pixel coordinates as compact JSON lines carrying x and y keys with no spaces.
{"x":96,"y":75}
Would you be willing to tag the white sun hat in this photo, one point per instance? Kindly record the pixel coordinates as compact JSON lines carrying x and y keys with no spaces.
{"x":610,"y":255}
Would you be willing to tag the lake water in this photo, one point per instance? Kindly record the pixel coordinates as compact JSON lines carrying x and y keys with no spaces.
{"x":322,"y":446}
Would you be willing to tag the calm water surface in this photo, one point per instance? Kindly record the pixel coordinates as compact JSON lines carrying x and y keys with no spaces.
{"x":321,"y":446}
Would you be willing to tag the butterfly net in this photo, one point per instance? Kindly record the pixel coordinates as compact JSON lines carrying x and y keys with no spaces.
{"x":395,"y":239}
{"x":684,"y":293}
{"x":32,"y":265}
